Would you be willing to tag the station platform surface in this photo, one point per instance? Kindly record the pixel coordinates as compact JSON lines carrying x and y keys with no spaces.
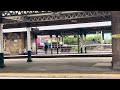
{"x":74,"y":67}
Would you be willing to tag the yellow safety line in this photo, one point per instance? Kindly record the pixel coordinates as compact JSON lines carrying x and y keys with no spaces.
{"x":59,"y":75}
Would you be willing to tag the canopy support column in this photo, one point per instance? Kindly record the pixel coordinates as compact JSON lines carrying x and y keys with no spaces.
{"x":51,"y":44}
{"x":1,"y":43}
{"x":29,"y":42}
{"x":81,"y":42}
{"x":57,"y":43}
{"x":78,"y":43}
{"x":85,"y":43}
{"x":115,"y":39}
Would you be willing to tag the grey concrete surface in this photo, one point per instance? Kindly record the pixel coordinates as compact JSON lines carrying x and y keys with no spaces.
{"x":91,"y":65}
{"x":76,"y":68}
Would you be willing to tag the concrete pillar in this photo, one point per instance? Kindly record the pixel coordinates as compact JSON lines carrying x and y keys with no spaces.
{"x":102,"y":40}
{"x":29,"y":42}
{"x":51,"y":44}
{"x":116,"y":39}
{"x":97,"y":39}
{"x":60,"y":43}
{"x":103,"y":36}
{"x":62,"y":40}
{"x":57,"y":43}
{"x":78,"y":43}
{"x":81,"y":43}
{"x":1,"y":38}
{"x":85,"y":44}
{"x":1,"y":43}
{"x":36,"y":43}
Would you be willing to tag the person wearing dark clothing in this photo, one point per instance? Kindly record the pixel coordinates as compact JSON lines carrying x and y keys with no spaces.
{"x":93,"y":40}
{"x":46,"y":48}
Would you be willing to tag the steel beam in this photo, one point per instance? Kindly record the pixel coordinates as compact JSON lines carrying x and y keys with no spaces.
{"x":39,"y":17}
{"x":22,"y":13}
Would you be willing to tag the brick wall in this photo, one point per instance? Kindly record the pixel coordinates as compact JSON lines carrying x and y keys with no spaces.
{"x":14,"y":43}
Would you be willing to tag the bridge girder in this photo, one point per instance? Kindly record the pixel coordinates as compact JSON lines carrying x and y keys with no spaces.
{"x":21,"y":13}
{"x":37,"y":16}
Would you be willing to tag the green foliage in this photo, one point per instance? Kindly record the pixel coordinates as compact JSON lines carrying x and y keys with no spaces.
{"x":89,"y":38}
{"x":70,"y":40}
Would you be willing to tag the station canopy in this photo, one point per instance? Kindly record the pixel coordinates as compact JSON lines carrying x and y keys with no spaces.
{"x":18,"y":19}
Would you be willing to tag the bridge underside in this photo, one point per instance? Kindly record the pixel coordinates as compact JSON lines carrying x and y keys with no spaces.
{"x":18,"y":19}
{"x":58,"y":22}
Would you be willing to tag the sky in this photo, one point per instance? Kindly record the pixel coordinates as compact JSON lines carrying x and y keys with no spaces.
{"x":107,"y":36}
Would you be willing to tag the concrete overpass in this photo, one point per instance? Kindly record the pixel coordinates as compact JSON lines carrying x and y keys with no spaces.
{"x":17,"y":19}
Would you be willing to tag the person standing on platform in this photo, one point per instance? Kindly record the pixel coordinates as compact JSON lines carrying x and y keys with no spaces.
{"x":45,"y":48}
